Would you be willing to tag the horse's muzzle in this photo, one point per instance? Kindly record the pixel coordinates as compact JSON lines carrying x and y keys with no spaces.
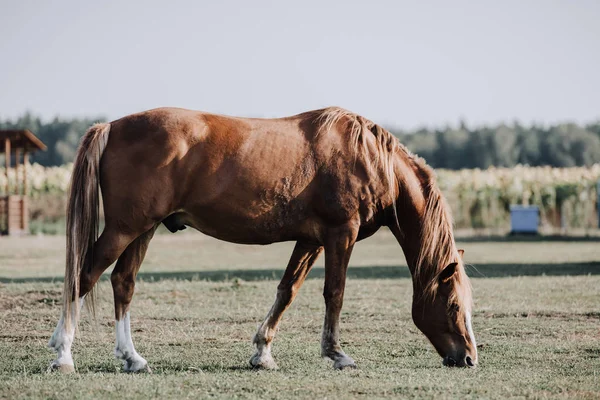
{"x":466,"y":361}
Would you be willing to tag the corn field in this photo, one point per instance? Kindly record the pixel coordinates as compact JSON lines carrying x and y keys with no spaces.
{"x":479,"y":199}
{"x":567,"y":197}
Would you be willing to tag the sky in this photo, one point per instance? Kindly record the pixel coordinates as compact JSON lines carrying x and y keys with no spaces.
{"x":404,"y":64}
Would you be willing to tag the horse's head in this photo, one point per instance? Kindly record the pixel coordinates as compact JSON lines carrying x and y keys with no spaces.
{"x":443,"y":313}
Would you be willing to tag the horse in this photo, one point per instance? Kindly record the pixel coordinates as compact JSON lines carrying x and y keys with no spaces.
{"x":324,"y":178}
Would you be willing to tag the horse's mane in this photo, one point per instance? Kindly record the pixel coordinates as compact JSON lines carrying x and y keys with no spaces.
{"x":357,"y":128}
{"x":438,"y":248}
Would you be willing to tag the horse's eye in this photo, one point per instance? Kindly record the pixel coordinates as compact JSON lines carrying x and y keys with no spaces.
{"x":454,"y":307}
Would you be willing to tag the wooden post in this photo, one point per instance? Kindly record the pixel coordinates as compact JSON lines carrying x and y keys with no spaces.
{"x":598,"y":201}
{"x":17,"y":189}
{"x":7,"y":160}
{"x":24,"y":199}
{"x":25,"y":162}
{"x":17,"y":170}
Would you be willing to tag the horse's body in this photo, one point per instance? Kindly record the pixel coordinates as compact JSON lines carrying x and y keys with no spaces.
{"x":251,"y":181}
{"x":324,"y":179}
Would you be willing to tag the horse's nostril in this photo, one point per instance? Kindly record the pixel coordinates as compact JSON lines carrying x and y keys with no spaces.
{"x":469,"y":361}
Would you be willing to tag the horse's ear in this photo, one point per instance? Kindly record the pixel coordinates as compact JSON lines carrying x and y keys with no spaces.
{"x":461,"y":252}
{"x":447,"y":272}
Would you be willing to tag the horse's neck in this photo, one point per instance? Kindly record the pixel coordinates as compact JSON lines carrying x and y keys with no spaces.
{"x":409,"y":238}
{"x":410,"y":207}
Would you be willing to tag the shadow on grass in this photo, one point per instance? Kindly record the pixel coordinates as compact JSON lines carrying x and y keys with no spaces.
{"x":162,"y":368}
{"x":368,"y":272}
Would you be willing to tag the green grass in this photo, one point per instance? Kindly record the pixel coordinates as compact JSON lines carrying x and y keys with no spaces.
{"x":539,"y":336}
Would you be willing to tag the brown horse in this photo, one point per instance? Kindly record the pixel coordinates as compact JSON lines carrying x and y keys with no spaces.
{"x":324,"y":179}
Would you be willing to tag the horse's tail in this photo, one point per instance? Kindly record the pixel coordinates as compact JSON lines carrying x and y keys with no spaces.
{"x":82,"y":217}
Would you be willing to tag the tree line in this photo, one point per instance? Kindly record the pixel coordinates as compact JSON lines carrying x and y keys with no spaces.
{"x":562,"y":145}
{"x":504,"y":145}
{"x":61,"y":135}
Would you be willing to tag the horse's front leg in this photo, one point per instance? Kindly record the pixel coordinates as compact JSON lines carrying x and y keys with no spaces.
{"x":301,"y":261}
{"x":338,"y":248}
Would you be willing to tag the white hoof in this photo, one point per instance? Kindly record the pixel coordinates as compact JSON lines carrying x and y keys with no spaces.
{"x":56,"y":366}
{"x":137,"y":367}
{"x":264,"y":361}
{"x":343,"y":363}
{"x":134,"y":364}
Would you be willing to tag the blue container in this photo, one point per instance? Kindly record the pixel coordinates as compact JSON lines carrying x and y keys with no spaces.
{"x":524,"y":219}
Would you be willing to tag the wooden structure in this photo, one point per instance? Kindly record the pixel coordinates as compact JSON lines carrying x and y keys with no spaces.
{"x":14,"y":211}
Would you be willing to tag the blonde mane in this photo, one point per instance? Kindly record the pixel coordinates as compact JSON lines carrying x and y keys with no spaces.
{"x":357,"y":128}
{"x":438,"y":248}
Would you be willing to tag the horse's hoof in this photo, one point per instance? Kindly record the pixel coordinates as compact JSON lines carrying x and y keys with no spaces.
{"x":62,"y":368}
{"x":137,"y":369}
{"x":343,"y":363}
{"x":264,"y":362}
{"x":144,"y":370}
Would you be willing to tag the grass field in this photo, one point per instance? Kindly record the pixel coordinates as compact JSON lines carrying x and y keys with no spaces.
{"x":193,"y":320}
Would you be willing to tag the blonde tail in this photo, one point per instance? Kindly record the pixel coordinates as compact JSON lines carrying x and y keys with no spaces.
{"x":82,"y":217}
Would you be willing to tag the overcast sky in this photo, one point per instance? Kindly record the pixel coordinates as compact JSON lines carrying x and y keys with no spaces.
{"x":400,"y":63}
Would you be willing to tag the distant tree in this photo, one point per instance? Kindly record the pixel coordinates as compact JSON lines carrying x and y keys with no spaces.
{"x":503,"y":145}
{"x":478,"y":151}
{"x":527,"y":145}
{"x":568,"y":145}
{"x":451,"y":148}
{"x":594,"y":128}
{"x":423,"y":143}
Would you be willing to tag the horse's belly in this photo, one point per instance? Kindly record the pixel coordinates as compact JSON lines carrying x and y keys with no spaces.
{"x":245,"y":204}
{"x":250,"y":224}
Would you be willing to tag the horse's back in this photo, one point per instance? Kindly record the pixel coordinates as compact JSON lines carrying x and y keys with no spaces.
{"x":169,"y":127}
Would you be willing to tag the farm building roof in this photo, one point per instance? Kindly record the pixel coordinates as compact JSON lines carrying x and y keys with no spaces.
{"x":21,"y":139}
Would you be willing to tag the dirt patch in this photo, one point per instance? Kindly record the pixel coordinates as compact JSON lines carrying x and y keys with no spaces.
{"x":544,"y":314}
{"x":21,"y":338}
{"x":592,"y":352}
{"x":30,"y":299}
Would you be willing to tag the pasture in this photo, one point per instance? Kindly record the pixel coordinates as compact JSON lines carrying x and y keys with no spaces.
{"x":199,"y":301}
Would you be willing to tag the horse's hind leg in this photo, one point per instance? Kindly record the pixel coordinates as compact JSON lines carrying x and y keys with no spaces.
{"x":123,"y":283}
{"x":302,"y":260}
{"x":61,"y":342}
{"x":107,"y":249}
